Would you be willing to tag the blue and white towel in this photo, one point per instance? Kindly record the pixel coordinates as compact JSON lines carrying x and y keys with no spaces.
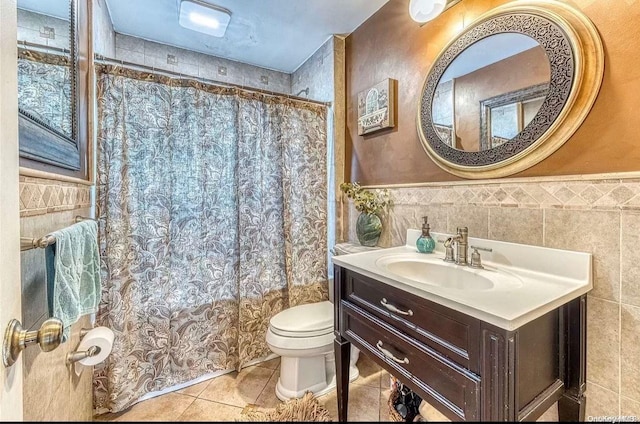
{"x":73,"y":273}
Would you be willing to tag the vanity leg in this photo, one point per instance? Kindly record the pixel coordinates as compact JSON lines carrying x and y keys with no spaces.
{"x":342,"y":350}
{"x":571,"y":407}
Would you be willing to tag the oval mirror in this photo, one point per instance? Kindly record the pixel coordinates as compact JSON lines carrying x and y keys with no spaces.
{"x":521,"y":76}
{"x":491,"y":92}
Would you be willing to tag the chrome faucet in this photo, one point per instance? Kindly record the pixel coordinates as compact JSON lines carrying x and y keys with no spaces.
{"x":461,"y":239}
{"x":462,"y":245}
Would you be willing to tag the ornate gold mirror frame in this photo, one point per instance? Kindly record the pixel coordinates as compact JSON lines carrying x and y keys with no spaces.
{"x":577,"y":71}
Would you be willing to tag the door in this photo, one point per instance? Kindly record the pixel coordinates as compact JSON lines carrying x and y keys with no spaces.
{"x":10,"y":306}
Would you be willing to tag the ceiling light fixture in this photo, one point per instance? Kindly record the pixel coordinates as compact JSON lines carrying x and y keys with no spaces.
{"x":204,"y":17}
{"x":425,"y":10}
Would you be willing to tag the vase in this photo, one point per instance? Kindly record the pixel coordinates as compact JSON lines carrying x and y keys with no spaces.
{"x":368,"y":229}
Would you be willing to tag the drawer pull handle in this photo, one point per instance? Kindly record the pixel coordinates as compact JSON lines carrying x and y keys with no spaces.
{"x":395,"y":310}
{"x":390,"y":355}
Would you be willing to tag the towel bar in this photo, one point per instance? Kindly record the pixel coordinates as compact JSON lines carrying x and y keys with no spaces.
{"x":27,"y":243}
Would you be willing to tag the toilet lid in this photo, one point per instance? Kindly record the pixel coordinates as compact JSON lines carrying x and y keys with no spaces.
{"x":313,"y":319}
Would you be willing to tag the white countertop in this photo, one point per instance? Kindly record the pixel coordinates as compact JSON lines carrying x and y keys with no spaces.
{"x":531,"y":280}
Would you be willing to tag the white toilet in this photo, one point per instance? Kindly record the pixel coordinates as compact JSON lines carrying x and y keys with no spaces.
{"x":303,"y":337}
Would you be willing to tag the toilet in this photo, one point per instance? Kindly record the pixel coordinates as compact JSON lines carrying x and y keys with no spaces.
{"x":303,"y":337}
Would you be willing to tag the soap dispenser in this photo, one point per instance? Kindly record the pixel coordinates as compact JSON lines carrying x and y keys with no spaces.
{"x":425,"y":242}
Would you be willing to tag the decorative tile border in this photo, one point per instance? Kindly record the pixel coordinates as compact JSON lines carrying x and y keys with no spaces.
{"x":615,"y":194}
{"x":40,"y":196}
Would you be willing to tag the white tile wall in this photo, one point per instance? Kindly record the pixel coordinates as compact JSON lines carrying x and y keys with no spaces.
{"x":190,"y":63}
{"x":104,"y":37}
{"x":31,"y":28}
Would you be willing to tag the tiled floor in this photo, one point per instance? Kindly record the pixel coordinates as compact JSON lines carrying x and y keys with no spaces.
{"x":224,"y":398}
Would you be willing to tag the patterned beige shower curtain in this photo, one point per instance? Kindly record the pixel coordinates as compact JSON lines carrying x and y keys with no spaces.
{"x":212,"y":209}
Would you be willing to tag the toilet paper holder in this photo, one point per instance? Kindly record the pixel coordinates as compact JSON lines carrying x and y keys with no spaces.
{"x":94,"y":347}
{"x":74,"y":357}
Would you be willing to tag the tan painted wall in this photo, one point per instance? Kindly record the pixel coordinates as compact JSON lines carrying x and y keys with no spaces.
{"x":391,"y":45}
{"x":517,"y":72}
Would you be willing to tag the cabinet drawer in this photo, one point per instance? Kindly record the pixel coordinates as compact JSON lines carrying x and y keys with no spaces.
{"x":450,"y":333}
{"x":434,"y":377}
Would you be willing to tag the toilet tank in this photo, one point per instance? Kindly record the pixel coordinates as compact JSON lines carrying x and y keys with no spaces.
{"x":346,"y":249}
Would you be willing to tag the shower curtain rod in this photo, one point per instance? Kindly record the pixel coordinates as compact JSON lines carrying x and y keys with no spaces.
{"x":109,"y":61}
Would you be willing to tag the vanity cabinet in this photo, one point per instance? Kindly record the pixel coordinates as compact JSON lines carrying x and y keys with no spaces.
{"x":466,"y":368}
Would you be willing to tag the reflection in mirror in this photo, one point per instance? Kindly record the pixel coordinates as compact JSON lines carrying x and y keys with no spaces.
{"x":490,"y":92}
{"x":45,"y":76}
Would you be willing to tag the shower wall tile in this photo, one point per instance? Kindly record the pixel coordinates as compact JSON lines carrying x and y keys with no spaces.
{"x":104,"y":37}
{"x":599,"y":216}
{"x":194,"y":64}
{"x":316,"y":74}
{"x":130,"y":55}
{"x":32,"y":28}
{"x":132,"y":44}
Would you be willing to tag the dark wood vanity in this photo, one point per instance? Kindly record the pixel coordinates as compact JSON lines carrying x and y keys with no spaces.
{"x":464,"y":367}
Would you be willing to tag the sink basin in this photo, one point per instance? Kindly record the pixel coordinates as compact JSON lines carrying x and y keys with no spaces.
{"x":441,"y":274}
{"x":436,"y":274}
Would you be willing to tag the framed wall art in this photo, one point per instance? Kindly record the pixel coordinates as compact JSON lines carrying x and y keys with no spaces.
{"x":376,"y":107}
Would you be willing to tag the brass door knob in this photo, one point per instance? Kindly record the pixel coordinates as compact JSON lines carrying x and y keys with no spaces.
{"x":16,"y":339}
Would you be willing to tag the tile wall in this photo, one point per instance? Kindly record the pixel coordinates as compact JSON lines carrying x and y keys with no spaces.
{"x":51,"y":390}
{"x":40,"y":196}
{"x":190,"y":63}
{"x":597,"y":216}
{"x":104,"y":36}
{"x":41,"y":29}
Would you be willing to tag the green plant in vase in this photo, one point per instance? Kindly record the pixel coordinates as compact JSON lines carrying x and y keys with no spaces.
{"x":370,"y":205}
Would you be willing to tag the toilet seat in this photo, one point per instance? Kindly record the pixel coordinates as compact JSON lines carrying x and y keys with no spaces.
{"x":310,"y":345}
{"x":304,"y":321}
{"x":305,"y":327}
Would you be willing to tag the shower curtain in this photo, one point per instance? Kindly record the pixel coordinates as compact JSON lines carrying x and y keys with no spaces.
{"x":44,"y":87}
{"x":212,"y":208}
